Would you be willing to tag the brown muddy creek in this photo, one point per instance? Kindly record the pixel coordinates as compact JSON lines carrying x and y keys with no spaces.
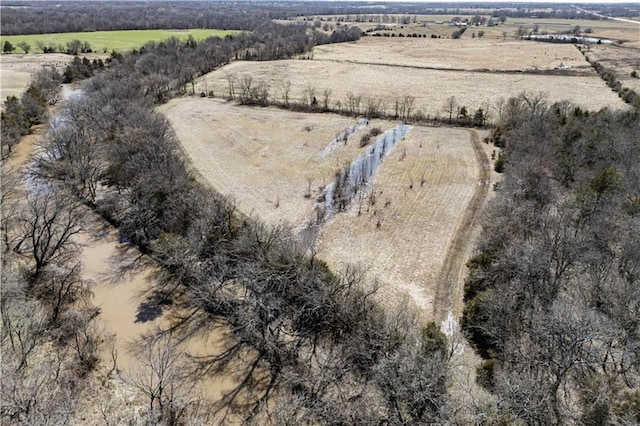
{"x":120,"y":276}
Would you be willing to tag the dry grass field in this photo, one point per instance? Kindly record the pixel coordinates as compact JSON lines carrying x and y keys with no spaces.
{"x":421,"y":194}
{"x":477,"y":72}
{"x":464,"y":54}
{"x":16,"y":70}
{"x":430,"y":88}
{"x":627,"y":32}
{"x":622,"y":59}
{"x":264,"y":156}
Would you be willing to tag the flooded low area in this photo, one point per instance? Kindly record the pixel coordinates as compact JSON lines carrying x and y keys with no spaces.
{"x":360,"y":173}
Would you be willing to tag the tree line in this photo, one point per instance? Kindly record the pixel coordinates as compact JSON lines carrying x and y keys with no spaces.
{"x":553,"y":293}
{"x":611,"y":78}
{"x":45,"y":18}
{"x":249,"y":91}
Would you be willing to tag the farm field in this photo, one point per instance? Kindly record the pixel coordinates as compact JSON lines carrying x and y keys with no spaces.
{"x":421,"y":194}
{"x":623,"y":60}
{"x":16,"y":70}
{"x":464,"y":54}
{"x":106,"y":41}
{"x":424,"y":187}
{"x":627,"y":32}
{"x":430,"y":88}
{"x":265,"y":158}
{"x":426,"y":26}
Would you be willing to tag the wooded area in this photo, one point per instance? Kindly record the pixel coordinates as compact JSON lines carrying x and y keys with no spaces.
{"x":552,"y":301}
{"x":553,"y":297}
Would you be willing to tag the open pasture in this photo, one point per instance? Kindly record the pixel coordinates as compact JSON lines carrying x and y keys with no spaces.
{"x":623,"y":60}
{"x":106,"y":41}
{"x":626,"y":32}
{"x":431,"y":88}
{"x":399,"y":231}
{"x":464,"y":54}
{"x":267,"y":159}
{"x":16,"y":70}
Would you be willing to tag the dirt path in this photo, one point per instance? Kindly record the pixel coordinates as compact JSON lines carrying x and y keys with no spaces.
{"x":448,"y":295}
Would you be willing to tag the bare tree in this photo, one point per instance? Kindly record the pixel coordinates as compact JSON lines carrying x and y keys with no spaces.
{"x":247,"y":89}
{"x":286,"y":90}
{"x":73,"y":155}
{"x":161,"y":374}
{"x":353,"y":103}
{"x":326,"y":93}
{"x":310,"y":95}
{"x":23,"y":325}
{"x":9,"y":204}
{"x":373,"y":107}
{"x":407,"y":106}
{"x":46,"y":394}
{"x":450,"y":107}
{"x":61,"y":288}
{"x":231,"y":81}
{"x":47,"y":226}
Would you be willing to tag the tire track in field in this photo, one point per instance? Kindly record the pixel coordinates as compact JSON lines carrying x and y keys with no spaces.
{"x":450,"y":280}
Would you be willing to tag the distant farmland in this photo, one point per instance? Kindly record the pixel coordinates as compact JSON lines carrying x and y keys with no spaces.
{"x":106,"y":41}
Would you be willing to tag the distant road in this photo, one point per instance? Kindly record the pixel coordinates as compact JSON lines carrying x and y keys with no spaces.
{"x":607,"y":17}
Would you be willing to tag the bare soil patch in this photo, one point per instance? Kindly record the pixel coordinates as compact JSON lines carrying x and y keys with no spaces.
{"x":16,"y":70}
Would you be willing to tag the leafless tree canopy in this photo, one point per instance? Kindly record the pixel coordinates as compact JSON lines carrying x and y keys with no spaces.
{"x":552,"y":300}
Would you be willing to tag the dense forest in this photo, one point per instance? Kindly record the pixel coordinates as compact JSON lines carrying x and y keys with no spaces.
{"x":71,"y":16}
{"x":552,"y":301}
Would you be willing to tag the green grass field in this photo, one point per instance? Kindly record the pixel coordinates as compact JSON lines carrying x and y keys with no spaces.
{"x":106,"y":41}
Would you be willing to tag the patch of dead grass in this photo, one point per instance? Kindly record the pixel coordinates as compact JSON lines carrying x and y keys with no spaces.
{"x":265,"y":158}
{"x":261,"y":155}
{"x":16,"y":70}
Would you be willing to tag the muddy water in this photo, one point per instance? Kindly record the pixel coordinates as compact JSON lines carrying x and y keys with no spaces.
{"x":117,"y":291}
{"x":119,"y":278}
{"x":22,"y":151}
